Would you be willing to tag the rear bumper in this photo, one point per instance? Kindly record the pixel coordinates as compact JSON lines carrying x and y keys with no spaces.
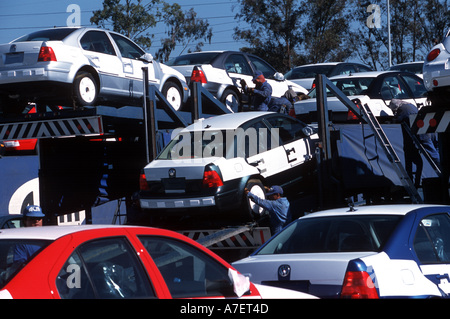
{"x":177,"y":203}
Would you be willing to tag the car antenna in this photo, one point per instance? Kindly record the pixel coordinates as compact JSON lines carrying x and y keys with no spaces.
{"x":351,"y":204}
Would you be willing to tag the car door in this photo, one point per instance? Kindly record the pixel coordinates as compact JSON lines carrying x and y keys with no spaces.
{"x":292,"y":138}
{"x":263,"y":149}
{"x":432,"y":247}
{"x":238,"y":68}
{"x":100,"y":52}
{"x":278,"y":87}
{"x":132,"y":65}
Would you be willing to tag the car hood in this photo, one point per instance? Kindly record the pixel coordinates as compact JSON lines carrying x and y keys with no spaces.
{"x":317,"y":268}
{"x":296,"y":87}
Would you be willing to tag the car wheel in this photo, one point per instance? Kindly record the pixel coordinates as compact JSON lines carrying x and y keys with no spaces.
{"x":85,"y":89}
{"x":250,"y":209}
{"x":173,"y":94}
{"x":231,"y":100}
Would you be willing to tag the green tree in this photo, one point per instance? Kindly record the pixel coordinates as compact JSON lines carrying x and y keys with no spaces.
{"x":135,"y":19}
{"x":273,"y":30}
{"x":184,"y":28}
{"x":130,"y":19}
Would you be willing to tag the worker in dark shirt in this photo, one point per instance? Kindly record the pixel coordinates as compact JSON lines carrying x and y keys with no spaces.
{"x":261,"y":93}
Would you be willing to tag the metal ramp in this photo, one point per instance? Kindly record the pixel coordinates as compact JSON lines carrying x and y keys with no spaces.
{"x":246,"y":236}
{"x":364,"y":114}
{"x":391,"y":154}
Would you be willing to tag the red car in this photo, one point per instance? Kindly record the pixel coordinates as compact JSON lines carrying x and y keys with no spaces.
{"x":103,"y":262}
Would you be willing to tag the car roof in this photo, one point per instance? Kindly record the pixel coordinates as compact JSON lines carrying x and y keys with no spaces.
{"x":365,"y":74}
{"x":50,"y":232}
{"x":399,"y":209}
{"x":226,"y":121}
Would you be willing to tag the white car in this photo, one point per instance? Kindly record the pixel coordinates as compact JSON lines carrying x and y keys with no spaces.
{"x":221,"y":72}
{"x":305,"y":75}
{"x":207,"y":165}
{"x":413,"y":67}
{"x":376,"y":88}
{"x":85,"y":66}
{"x":388,"y":251}
{"x":436,"y":69}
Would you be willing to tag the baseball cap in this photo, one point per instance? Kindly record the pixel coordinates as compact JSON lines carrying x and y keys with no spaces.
{"x":33,"y":211}
{"x":275,"y":190}
{"x":257,"y":74}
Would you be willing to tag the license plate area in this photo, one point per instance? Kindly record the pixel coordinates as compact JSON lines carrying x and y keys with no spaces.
{"x":15,"y":57}
{"x":174,"y":185}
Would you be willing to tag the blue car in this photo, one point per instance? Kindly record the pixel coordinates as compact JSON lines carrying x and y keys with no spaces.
{"x":390,"y":251}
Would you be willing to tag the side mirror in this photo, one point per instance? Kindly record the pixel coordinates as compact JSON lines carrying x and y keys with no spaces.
{"x":241,"y":283}
{"x":147,"y":57}
{"x":279,"y":76}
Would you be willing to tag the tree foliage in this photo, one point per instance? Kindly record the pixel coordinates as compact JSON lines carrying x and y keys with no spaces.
{"x":135,"y":19}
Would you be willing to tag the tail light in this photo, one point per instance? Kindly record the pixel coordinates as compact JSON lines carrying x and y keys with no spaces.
{"x":46,"y":54}
{"x":358,"y":285}
{"x":211,"y":178}
{"x":433,"y":54}
{"x":143,"y":185}
{"x":198,"y":76}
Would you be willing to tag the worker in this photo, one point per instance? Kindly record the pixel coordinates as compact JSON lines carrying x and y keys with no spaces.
{"x":32,"y":217}
{"x":402,"y":111}
{"x":261,"y":93}
{"x":276,"y":206}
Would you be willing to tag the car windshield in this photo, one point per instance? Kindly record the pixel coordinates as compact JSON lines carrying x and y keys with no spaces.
{"x":15,"y":253}
{"x":46,"y":35}
{"x":305,"y":72}
{"x":349,"y":86}
{"x":350,"y":233}
{"x":197,"y":58}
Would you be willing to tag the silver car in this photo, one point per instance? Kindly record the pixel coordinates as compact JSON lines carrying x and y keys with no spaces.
{"x":81,"y":67}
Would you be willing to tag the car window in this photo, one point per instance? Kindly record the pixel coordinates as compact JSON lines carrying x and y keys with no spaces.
{"x":127,"y":48}
{"x":308,"y":71}
{"x":13,"y":223}
{"x":345,"y":69}
{"x":349,"y":86}
{"x":393,"y":88}
{"x":416,"y":86}
{"x":432,"y":239}
{"x":333,"y":234}
{"x":46,"y":35}
{"x":14,"y":253}
{"x":188,"y":271}
{"x":104,"y":268}
{"x":97,"y":41}
{"x":288,"y":129}
{"x":197,"y":58}
{"x":236,"y":63}
{"x":262,"y":66}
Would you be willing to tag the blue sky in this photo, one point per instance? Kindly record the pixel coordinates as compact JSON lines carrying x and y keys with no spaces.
{"x":18,"y":17}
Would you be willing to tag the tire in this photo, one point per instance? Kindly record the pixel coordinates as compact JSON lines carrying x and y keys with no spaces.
{"x":251,"y":211}
{"x":173,"y":94}
{"x":85,"y":89}
{"x":231,"y":100}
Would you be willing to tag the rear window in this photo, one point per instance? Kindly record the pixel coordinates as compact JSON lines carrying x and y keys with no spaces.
{"x":333,"y":234}
{"x":14,"y":254}
{"x":308,"y":71}
{"x":197,"y":58}
{"x":46,"y":35}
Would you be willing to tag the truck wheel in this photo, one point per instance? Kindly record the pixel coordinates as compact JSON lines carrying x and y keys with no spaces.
{"x":251,"y":211}
{"x":231,"y":100}
{"x":173,"y":94}
{"x":85,"y":89}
